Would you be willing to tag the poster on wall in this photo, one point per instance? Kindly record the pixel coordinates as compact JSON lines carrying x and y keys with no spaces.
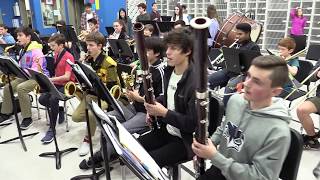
{"x":50,"y":2}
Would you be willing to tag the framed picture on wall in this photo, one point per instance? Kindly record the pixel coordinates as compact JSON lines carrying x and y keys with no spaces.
{"x":49,"y":2}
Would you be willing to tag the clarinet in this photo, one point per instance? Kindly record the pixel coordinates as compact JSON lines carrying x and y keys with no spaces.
{"x":146,"y":75}
{"x":200,"y":57}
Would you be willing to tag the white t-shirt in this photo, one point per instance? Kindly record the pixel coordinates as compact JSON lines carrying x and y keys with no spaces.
{"x":89,"y":16}
{"x":172,"y":87}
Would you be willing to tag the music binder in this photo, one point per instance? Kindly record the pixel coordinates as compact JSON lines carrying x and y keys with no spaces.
{"x":127,"y":147}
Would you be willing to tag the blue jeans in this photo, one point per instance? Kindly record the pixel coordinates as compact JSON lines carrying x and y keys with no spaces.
{"x":220,"y":78}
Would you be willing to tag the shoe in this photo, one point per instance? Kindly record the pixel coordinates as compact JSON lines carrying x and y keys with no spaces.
{"x":85,"y":165}
{"x":84,"y":148}
{"x":5,"y":119}
{"x":316,"y":171}
{"x":26,"y":123}
{"x":48,"y":138}
{"x":310,"y":142}
{"x":61,"y":115}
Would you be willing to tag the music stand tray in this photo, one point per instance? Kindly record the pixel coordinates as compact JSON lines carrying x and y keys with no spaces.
{"x":47,"y":86}
{"x":165,"y":26}
{"x":246,"y":57}
{"x":120,"y":48}
{"x":11,"y":68}
{"x":232,"y":59}
{"x":166,"y":18}
{"x":127,"y":147}
{"x":109,"y":30}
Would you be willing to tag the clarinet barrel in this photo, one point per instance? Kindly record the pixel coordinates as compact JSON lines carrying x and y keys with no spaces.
{"x":200,"y":57}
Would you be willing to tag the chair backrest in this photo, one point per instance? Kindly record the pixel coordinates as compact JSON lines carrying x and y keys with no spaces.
{"x":216,"y":111}
{"x":291,"y":164}
{"x":50,"y":65}
{"x":313,"y":52}
{"x":304,"y":70}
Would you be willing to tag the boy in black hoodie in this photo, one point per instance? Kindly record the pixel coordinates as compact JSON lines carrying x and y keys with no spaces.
{"x":175,"y":110}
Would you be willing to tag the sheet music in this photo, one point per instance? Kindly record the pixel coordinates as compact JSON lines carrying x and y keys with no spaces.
{"x":130,"y":144}
{"x":11,"y":59}
{"x":80,"y":72}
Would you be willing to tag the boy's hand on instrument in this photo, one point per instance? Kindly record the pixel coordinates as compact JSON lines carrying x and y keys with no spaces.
{"x":133,"y":95}
{"x":148,"y":120}
{"x":206,"y":151}
{"x":156,"y":109}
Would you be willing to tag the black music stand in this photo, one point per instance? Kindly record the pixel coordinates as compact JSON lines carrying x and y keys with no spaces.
{"x":238,"y":60}
{"x":88,"y":80}
{"x":121,"y":50}
{"x":165,"y":26}
{"x":111,"y":128}
{"x":11,"y":68}
{"x":232,"y":60}
{"x":166,"y":18}
{"x":109,"y":30}
{"x":46,"y":86}
{"x":246,"y":57}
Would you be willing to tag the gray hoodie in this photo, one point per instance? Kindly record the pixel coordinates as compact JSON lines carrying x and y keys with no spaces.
{"x":252,"y":143}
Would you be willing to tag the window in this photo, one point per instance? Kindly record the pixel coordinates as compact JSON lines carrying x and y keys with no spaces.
{"x":51,"y":11}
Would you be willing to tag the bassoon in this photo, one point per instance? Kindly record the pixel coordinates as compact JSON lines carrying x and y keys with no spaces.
{"x":200,"y":57}
{"x":146,"y":75}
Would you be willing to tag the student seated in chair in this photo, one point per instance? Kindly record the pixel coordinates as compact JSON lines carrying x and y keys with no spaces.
{"x":311,"y":105}
{"x":175,"y":110}
{"x":135,"y":112}
{"x":30,"y":56}
{"x":106,"y":69}
{"x":253,"y":140}
{"x":286,"y":47}
{"x":63,"y":75}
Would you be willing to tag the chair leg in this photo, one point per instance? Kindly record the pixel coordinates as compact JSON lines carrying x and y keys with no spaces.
{"x":123,"y":172}
{"x":66,"y":115}
{"x":176,"y":172}
{"x":37,"y":105}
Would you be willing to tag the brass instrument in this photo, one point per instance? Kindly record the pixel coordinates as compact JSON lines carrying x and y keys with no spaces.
{"x":82,"y":35}
{"x":128,"y":80}
{"x":131,"y":42}
{"x":296,"y":55}
{"x":73,"y":89}
{"x":116,"y":91}
{"x":6,"y":50}
{"x":3,"y":79}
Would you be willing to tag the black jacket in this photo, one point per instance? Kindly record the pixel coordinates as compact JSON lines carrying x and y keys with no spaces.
{"x":157,"y":75}
{"x":248,"y":45}
{"x":184,"y":117}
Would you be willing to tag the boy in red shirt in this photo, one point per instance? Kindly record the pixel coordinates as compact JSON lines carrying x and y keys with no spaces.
{"x":63,"y":74}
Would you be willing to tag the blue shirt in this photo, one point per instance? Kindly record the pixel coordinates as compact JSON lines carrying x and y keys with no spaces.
{"x":8,"y":38}
{"x":213,"y":29}
{"x":293,"y":63}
